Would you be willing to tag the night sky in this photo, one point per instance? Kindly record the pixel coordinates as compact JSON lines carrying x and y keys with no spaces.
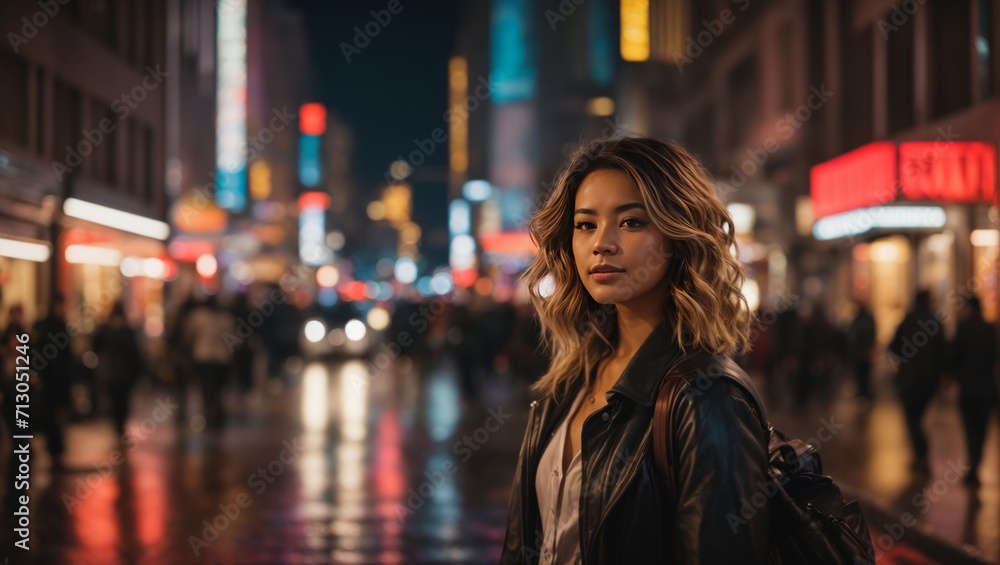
{"x":395,"y":89}
{"x":393,"y":92}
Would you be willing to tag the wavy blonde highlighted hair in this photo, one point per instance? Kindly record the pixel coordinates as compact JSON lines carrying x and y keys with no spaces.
{"x":705,"y":307}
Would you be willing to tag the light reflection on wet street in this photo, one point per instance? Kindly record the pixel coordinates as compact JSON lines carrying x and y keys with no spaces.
{"x":335,"y":467}
{"x":343,"y":464}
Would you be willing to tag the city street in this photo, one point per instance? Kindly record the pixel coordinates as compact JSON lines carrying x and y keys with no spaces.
{"x":325,"y":473}
{"x":335,"y":469}
{"x":867,"y":451}
{"x":276,"y":277}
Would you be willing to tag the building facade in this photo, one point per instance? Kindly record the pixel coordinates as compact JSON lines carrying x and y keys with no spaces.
{"x":787,"y":101}
{"x":82,"y":146}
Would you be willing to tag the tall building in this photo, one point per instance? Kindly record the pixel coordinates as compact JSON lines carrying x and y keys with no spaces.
{"x":245,"y":75}
{"x":197,"y":222}
{"x":81,"y":157}
{"x":906,"y":193}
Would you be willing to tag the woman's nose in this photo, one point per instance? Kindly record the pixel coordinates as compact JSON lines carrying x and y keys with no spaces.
{"x":605,"y":244}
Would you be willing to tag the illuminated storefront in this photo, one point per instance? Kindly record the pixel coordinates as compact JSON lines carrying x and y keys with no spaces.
{"x":107,"y":255}
{"x":27,"y":202}
{"x":917,"y":215}
{"x":21,"y":260}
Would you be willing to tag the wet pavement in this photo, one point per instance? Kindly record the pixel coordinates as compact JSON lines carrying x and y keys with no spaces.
{"x":335,"y":468}
{"x":866,"y":449}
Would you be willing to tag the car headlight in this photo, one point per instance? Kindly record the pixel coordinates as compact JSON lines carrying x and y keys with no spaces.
{"x":315,"y":330}
{"x":355,"y":330}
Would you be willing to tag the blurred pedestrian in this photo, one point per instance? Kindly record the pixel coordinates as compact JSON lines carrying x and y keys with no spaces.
{"x":243,"y":349}
{"x":281,"y":332}
{"x":206,"y":329}
{"x":813,"y":342}
{"x":13,"y":335}
{"x":785,"y":355}
{"x":918,"y":351}
{"x":56,"y":369}
{"x":527,"y":353}
{"x":469,"y":350}
{"x":406,"y":326}
{"x":180,"y":353}
{"x":861,"y":342}
{"x":974,"y":358}
{"x":120,"y":362}
{"x":498,"y":329}
{"x":9,"y":340}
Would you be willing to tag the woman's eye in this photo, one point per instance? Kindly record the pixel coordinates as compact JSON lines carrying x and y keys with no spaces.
{"x":582,"y":225}
{"x":633,"y":223}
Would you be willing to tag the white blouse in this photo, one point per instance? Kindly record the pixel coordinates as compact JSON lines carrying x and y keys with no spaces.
{"x":559,"y":499}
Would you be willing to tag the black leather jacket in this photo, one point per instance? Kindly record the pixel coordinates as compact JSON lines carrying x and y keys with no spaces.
{"x":626,"y":513}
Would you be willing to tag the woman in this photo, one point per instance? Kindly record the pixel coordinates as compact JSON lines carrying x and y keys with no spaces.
{"x":638,"y":247}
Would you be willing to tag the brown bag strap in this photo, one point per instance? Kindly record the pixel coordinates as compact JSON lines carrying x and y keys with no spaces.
{"x":663,"y":439}
{"x":666,"y":399}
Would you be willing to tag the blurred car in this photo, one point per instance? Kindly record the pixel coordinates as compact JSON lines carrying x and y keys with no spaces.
{"x":338,"y":330}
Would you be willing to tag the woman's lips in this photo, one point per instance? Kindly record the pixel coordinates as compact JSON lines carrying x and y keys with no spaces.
{"x":604,"y":276}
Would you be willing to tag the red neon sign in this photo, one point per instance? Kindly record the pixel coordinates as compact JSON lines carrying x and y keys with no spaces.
{"x":188,"y":250}
{"x":509,"y":242}
{"x":925,"y":170}
{"x":319,"y":200}
{"x":948,"y":172}
{"x":312,"y":119}
{"x":858,"y":179}
{"x":354,"y":290}
{"x":464,"y":277}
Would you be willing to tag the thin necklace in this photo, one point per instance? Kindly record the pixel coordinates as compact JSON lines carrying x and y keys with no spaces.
{"x":597,"y":374}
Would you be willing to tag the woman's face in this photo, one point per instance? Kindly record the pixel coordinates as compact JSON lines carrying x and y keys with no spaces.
{"x":620,"y":256}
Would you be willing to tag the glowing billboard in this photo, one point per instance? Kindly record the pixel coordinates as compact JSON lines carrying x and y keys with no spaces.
{"x":231,"y":105}
{"x":310,"y":168}
{"x":512,"y":42}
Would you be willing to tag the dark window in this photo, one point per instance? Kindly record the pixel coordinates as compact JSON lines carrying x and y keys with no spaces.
{"x":950,"y":55}
{"x":137,"y":159}
{"x":786,"y":92}
{"x":699,"y":134}
{"x":13,"y":99}
{"x":140,"y":39}
{"x":40,"y":114}
{"x":100,"y":20}
{"x":899,"y":46}
{"x":67,"y":124}
{"x":151,"y":184}
{"x":700,"y":12}
{"x":857,"y":78}
{"x":984,"y":50}
{"x":102,"y":127}
{"x":73,"y":12}
{"x":744,"y":101}
{"x":126,"y":13}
